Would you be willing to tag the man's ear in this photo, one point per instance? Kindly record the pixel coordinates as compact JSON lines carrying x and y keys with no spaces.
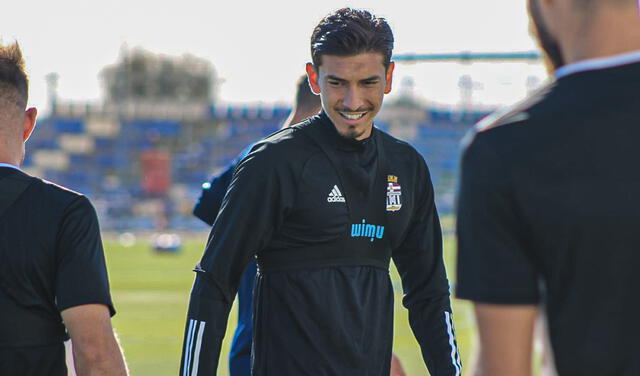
{"x":389,"y":77}
{"x":29,"y":123}
{"x":313,"y":78}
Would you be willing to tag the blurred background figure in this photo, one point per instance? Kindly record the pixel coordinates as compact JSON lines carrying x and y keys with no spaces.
{"x":547,"y":207}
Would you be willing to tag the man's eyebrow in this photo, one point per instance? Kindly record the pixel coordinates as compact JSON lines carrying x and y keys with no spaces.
{"x":336,"y":78}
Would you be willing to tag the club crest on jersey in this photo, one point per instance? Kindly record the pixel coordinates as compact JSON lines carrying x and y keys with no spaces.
{"x":393,"y":194}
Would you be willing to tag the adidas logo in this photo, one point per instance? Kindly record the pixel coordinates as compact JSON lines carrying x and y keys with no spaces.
{"x":335,"y":195}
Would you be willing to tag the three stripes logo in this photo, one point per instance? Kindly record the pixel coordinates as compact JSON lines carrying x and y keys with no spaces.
{"x":453,"y":343}
{"x":192,"y":347}
{"x":335,"y":195}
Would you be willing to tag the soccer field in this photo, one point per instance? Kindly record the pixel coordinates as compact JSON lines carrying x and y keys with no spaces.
{"x":151,"y":293}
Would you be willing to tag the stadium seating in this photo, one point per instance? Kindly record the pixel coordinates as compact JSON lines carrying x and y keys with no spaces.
{"x":100,"y":155}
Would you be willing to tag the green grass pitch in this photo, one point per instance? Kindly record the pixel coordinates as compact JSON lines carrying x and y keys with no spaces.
{"x":151,"y":293}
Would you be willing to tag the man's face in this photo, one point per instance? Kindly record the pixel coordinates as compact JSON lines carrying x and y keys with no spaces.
{"x":547,"y":41}
{"x":351,"y":89}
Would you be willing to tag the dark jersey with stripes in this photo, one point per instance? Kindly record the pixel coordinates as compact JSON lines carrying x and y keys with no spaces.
{"x":548,"y":212}
{"x":51,"y":259}
{"x":323,"y":216}
{"x":207,"y":209}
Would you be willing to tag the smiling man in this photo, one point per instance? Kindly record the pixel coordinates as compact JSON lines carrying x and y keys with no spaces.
{"x":324,"y":206}
{"x":352,"y":89}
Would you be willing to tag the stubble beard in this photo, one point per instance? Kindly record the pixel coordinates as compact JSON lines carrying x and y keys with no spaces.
{"x":548,"y":43}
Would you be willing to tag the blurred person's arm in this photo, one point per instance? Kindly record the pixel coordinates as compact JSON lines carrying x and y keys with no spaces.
{"x":212,"y":194}
{"x":210,"y":200}
{"x":96,"y":351}
{"x":396,"y":366}
{"x":506,"y":339}
{"x":82,"y":292}
{"x":496,"y":268}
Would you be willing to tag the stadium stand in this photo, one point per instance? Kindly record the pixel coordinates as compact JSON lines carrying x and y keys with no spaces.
{"x":144,"y":172}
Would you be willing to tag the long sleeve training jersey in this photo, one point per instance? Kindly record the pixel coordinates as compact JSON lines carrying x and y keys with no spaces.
{"x":323,"y":216}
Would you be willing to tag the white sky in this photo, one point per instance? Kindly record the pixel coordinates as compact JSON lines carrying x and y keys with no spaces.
{"x":259,"y":48}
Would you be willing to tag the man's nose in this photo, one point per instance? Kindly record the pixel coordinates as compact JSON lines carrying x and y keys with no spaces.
{"x":353,"y":99}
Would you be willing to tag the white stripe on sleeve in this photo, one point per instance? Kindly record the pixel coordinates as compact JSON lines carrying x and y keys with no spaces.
{"x":187,"y":348}
{"x":196,"y":355}
{"x":455,"y":357}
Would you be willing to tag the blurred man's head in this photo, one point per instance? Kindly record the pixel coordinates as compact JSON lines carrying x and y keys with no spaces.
{"x":351,"y":68}
{"x":306,"y":103}
{"x":16,"y":123}
{"x":573,"y":30}
{"x":306,"y":100}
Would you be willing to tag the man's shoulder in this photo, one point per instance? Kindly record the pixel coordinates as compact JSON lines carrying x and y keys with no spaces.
{"x":284,"y":142}
{"x":283,"y":137}
{"x":56,"y":196}
{"x":398,"y":148}
{"x":393,"y":142}
{"x":525,"y":111}
{"x":521,"y":123}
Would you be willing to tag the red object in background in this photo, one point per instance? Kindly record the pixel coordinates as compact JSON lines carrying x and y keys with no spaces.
{"x":156,"y":172}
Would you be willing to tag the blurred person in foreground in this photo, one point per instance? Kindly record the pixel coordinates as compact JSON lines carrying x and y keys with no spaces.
{"x":323,"y":206}
{"x":306,"y":104}
{"x":53,"y":278}
{"x":547,"y":212}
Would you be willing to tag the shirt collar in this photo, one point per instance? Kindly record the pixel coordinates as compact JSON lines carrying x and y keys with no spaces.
{"x":598,"y":63}
{"x":345,"y":143}
{"x":10,"y":166}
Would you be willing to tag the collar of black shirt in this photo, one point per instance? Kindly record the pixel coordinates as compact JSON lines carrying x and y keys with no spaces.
{"x":343,"y":143}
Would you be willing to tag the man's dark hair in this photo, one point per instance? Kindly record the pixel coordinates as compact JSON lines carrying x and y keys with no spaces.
{"x":349,"y":32}
{"x":305,"y":98}
{"x":13,"y":79}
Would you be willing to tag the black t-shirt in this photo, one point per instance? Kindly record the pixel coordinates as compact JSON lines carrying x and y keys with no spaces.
{"x":549,"y":211}
{"x":51,"y":259}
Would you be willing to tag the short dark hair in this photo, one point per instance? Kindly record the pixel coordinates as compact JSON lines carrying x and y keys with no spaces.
{"x":305,"y":98}
{"x":349,"y":32}
{"x":12,"y":74}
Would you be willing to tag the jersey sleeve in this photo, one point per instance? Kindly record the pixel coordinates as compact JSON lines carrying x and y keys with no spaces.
{"x":81,"y":276}
{"x":251,"y":211}
{"x":494,"y":265}
{"x":420,"y":263}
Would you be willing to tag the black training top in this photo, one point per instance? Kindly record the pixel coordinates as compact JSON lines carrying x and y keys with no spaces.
{"x":51,"y":259}
{"x":325,"y":216}
{"x":548,"y":212}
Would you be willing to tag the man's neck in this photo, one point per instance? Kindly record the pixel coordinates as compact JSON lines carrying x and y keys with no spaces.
{"x":7,"y":159}
{"x":610,"y":31}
